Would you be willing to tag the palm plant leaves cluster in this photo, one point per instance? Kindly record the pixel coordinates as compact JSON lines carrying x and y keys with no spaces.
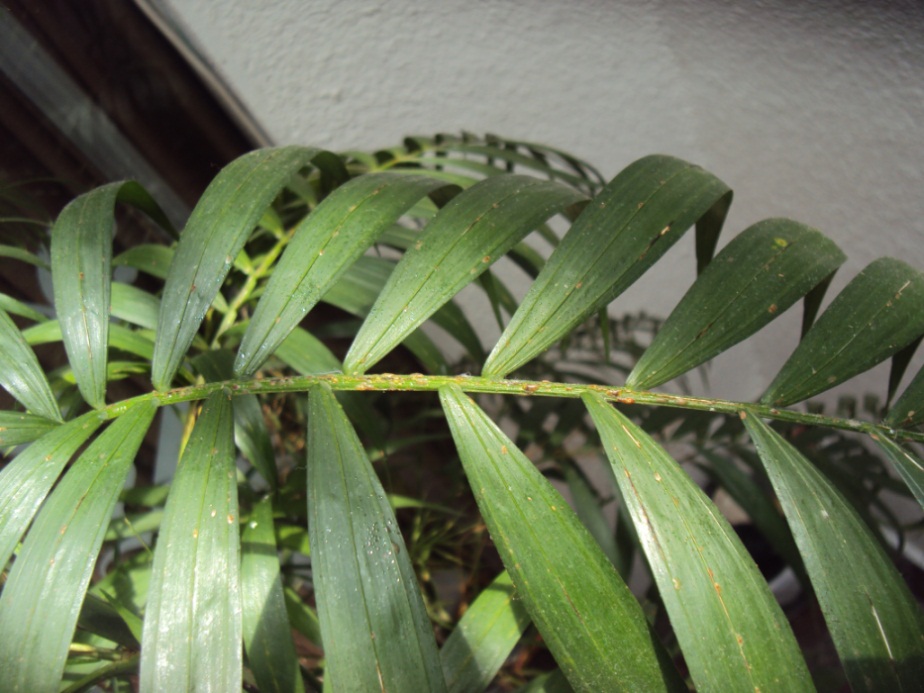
{"x":280,"y":230}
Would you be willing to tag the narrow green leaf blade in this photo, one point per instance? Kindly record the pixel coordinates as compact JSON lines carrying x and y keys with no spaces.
{"x":637,"y":217}
{"x":17,"y":427}
{"x":217,"y":230}
{"x":192,"y":624}
{"x":483,"y":638}
{"x":909,"y":465}
{"x":469,"y":234}
{"x":21,"y":374}
{"x":873,"y":619}
{"x":134,"y":305}
{"x":42,"y":598}
{"x":324,"y":245}
{"x":307,"y":354}
{"x":376,"y":632}
{"x":704,"y":574}
{"x":11,"y":305}
{"x":908,"y":410}
{"x":267,"y":634}
{"x":880,"y":311}
{"x":81,"y":270}
{"x":149,"y":258}
{"x":26,"y":480}
{"x":357,"y":291}
{"x":755,"y":278}
{"x":588,"y":618}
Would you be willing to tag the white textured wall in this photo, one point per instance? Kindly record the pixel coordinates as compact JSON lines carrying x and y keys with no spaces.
{"x":813,"y":110}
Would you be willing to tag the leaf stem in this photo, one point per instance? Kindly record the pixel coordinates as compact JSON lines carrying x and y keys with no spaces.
{"x":417,"y":382}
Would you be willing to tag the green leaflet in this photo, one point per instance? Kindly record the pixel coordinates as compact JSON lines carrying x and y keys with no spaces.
{"x":587,"y":507}
{"x":26,"y":480}
{"x":755,"y":278}
{"x":122,"y":338}
{"x":219,"y":226}
{"x":356,"y":292}
{"x":134,"y":305}
{"x":873,"y":619}
{"x":588,"y":618}
{"x":908,"y":410}
{"x":23,"y":255}
{"x":762,"y":510}
{"x":192,"y":624}
{"x":635,"y":219}
{"x":704,"y":574}
{"x":376,"y":632}
{"x":305,"y":353}
{"x":483,"y":638}
{"x":909,"y":466}
{"x":42,"y":598}
{"x":17,"y":427}
{"x":21,"y":374}
{"x":149,"y":258}
{"x":470,"y":233}
{"x":11,"y":305}
{"x":81,"y":270}
{"x":266,"y":629}
{"x":324,"y":245}
{"x":301,"y":616}
{"x":878,"y":312}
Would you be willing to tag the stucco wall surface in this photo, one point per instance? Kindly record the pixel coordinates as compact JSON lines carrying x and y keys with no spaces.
{"x":811,"y":110}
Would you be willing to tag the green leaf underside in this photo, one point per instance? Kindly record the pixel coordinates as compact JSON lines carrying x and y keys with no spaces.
{"x":42,"y":598}
{"x":21,"y":374}
{"x":25,"y":481}
{"x":704,"y":574}
{"x":637,"y":217}
{"x":376,"y":632}
{"x":81,"y":261}
{"x":192,"y":625}
{"x":878,"y":312}
{"x":588,"y":618}
{"x":755,"y":278}
{"x":484,"y":637}
{"x":908,"y":465}
{"x":908,"y":410}
{"x":219,"y":226}
{"x":324,"y":245}
{"x":266,"y":630}
{"x":17,"y":428}
{"x":470,"y":233}
{"x":873,"y":619}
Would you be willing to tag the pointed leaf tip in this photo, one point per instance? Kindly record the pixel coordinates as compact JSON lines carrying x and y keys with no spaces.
{"x":755,"y":278}
{"x":874,"y":621}
{"x":637,"y":217}
{"x":215,"y":233}
{"x":879,"y":312}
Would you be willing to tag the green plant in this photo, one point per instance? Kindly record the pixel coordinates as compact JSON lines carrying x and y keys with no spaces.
{"x":247,"y":542}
